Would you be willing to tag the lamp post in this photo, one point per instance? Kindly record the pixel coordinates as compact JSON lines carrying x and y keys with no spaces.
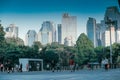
{"x":109,"y":22}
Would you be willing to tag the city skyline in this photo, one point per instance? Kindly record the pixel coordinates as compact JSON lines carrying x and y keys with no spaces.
{"x":33,"y":13}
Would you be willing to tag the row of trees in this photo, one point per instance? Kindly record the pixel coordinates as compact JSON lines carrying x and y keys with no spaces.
{"x":83,"y":52}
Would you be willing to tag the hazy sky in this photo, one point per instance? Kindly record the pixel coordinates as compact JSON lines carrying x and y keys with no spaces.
{"x":29,"y":14}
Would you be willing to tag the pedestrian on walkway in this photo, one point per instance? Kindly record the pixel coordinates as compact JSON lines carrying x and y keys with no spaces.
{"x":20,"y":69}
{"x":58,"y":67}
{"x":9,"y":67}
{"x":53,"y":65}
{"x":71,"y":62}
{"x":1,"y":67}
{"x":48,"y":66}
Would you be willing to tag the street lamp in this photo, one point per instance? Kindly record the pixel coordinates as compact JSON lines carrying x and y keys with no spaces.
{"x":109,"y":22}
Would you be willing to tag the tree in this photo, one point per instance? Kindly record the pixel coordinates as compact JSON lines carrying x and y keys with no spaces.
{"x":15,"y":41}
{"x":37,"y":44}
{"x":85,"y":49}
{"x":2,"y":43}
{"x":2,"y":34}
{"x":115,"y":52}
{"x":48,"y":56}
{"x":100,"y":53}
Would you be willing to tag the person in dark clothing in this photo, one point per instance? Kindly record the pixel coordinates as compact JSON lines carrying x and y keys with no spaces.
{"x":58,"y":67}
{"x":53,"y":65}
{"x":9,"y":67}
{"x":71,"y":62}
{"x":20,"y":68}
{"x":1,"y":66}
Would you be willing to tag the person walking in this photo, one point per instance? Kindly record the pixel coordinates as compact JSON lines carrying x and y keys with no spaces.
{"x":53,"y":65}
{"x":20,"y":67}
{"x":58,"y":67}
{"x":48,"y":67}
{"x":1,"y":67}
{"x":71,"y":62}
{"x":9,"y":67}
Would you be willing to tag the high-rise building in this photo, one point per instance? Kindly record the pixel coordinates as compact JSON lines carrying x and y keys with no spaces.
{"x":106,"y":36}
{"x":113,"y":14}
{"x":30,"y":37}
{"x":98,"y":35}
{"x":69,"y":28}
{"x":11,"y":31}
{"x":91,"y":30}
{"x":47,"y":35}
{"x":59,"y":33}
{"x":100,"y":29}
{"x":118,"y":35}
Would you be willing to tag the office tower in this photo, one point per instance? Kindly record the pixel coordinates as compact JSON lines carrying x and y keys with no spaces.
{"x":59,"y":33}
{"x":113,"y":14}
{"x":11,"y":31}
{"x":98,"y":35}
{"x":103,"y":26}
{"x":30,"y":37}
{"x":106,"y":36}
{"x":118,"y":35}
{"x":91,"y":30}
{"x":100,"y":29}
{"x":69,"y":29}
{"x":46,"y":35}
{"x":54,"y":33}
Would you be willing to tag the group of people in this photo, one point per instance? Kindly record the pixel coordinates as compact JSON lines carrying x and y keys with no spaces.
{"x":51,"y":66}
{"x":105,"y":64}
{"x":57,"y":66}
{"x":8,"y":67}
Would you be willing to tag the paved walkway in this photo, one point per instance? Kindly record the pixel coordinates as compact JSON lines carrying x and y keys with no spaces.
{"x":113,"y":74}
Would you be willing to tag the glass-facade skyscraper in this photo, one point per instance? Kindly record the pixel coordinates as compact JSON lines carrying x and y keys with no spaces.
{"x":118,"y":35}
{"x":59,"y":32}
{"x":106,"y":36}
{"x":30,"y":37}
{"x":69,"y":29}
{"x":46,"y":35}
{"x":113,"y":14}
{"x":91,"y":30}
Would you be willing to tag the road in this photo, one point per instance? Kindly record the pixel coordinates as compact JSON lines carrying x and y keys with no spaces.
{"x":113,"y":74}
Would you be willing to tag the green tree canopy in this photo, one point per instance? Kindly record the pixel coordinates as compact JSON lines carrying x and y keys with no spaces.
{"x":85,"y":49}
{"x":115,"y":52}
{"x":2,"y":43}
{"x":15,"y":41}
{"x":100,"y":52}
{"x":2,"y":34}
